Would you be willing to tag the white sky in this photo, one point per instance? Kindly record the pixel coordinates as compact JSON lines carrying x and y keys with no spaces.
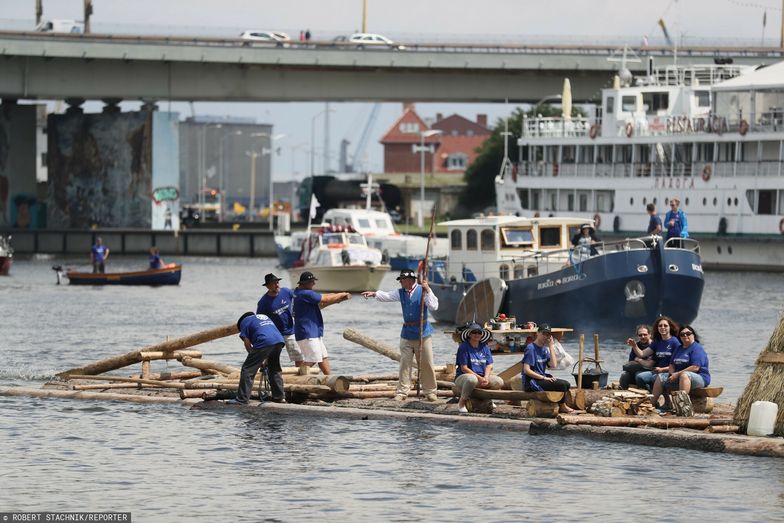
{"x":730,"y":22}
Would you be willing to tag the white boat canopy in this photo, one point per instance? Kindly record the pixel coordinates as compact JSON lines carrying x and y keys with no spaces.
{"x":770,"y":77}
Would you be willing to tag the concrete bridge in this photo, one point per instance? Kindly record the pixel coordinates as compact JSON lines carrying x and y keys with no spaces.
{"x":61,"y":66}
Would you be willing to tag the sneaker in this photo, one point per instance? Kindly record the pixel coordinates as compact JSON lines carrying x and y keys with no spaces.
{"x":276,"y":400}
{"x":462,"y":410}
{"x":400,"y":397}
{"x":236,"y":402}
{"x":431,"y":397}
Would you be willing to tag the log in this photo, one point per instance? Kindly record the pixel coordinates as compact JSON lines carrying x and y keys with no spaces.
{"x":129,"y":358}
{"x":542,"y":409}
{"x":81,"y":395}
{"x":196,"y":393}
{"x":511,"y":372}
{"x":375,"y":377}
{"x":176,"y":375}
{"x":373,"y":386}
{"x":296,"y":370}
{"x":169,"y":355}
{"x":707,"y":392}
{"x":145,"y":368}
{"x":103,"y":386}
{"x":320,"y":390}
{"x":370,"y":343}
{"x":653,"y":421}
{"x":202,"y":364}
{"x":157,"y":383}
{"x":371,"y":394}
{"x":334,"y":382}
{"x":516,"y":395}
{"x":723,"y":428}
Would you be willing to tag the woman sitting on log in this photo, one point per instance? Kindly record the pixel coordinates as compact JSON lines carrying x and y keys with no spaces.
{"x":640,"y":356}
{"x":536,"y":359}
{"x":474,"y":364}
{"x":664,"y":344}
{"x":688,"y":369}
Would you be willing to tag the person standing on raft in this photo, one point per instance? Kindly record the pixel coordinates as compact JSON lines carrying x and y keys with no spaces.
{"x":410,"y":295}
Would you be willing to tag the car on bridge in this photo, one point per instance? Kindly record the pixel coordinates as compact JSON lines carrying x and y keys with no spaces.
{"x":363,"y":40}
{"x":275,"y":37}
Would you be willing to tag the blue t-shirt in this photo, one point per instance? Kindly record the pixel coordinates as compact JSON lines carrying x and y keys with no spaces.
{"x":476,"y":359}
{"x":99,"y":253}
{"x":693,"y":355}
{"x":155,"y":261}
{"x":654,"y":222}
{"x":662,"y":351}
{"x":279,"y":309}
{"x":678,"y":229}
{"x":309,"y":323}
{"x":537,"y":358}
{"x":260,"y":330}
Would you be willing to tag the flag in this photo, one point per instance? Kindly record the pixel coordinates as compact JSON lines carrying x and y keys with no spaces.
{"x":313,"y":204}
{"x":664,"y":30}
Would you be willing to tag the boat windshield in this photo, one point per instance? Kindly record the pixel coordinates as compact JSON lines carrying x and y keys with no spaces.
{"x":333,"y":239}
{"x":355,"y":239}
{"x":514,"y":237}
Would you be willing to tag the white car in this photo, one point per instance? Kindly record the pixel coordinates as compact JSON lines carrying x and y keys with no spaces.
{"x":276,"y":37}
{"x":368,"y":39}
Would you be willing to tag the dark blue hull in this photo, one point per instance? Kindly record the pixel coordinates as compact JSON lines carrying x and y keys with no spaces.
{"x":286,"y":257}
{"x":610,"y":293}
{"x":153,"y":277}
{"x":399,"y":263}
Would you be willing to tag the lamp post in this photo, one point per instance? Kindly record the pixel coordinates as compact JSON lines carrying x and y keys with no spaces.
{"x":203,"y":166}
{"x":264,"y":150}
{"x":421,"y":149}
{"x":222,"y":176}
{"x":313,"y":139}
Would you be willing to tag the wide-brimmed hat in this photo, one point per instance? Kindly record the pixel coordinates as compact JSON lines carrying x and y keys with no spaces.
{"x":475,"y":327}
{"x":406,"y":273}
{"x":306,"y":277}
{"x":270,"y":278}
{"x":586,"y":226}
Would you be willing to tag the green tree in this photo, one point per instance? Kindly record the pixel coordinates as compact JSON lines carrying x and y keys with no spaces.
{"x":479,"y":192}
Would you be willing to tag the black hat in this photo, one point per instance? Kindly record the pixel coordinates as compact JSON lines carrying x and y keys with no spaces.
{"x":586,"y":226}
{"x":270,"y":278}
{"x":544,"y":327}
{"x":471,"y":327}
{"x":406,"y":273}
{"x":245,"y":315}
{"x":306,"y":277}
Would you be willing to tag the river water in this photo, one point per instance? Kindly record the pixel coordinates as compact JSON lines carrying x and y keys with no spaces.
{"x":168,"y":463}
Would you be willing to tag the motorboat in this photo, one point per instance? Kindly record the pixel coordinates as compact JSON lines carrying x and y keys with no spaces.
{"x":527,"y":268}
{"x":340,"y":259}
{"x":289,"y":247}
{"x":168,"y":275}
{"x":6,"y":255}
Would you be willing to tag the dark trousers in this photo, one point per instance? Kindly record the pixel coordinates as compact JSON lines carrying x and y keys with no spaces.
{"x":557,"y":385}
{"x":99,"y":267}
{"x":270,"y":358}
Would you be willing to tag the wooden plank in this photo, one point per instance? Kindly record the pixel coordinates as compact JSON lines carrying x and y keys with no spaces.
{"x":511,"y":372}
{"x":707,"y":392}
{"x":771,"y":357}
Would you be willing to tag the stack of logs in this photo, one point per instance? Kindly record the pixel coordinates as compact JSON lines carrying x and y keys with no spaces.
{"x":623,"y":403}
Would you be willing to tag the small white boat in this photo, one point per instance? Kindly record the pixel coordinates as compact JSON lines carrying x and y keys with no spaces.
{"x":340,"y":259}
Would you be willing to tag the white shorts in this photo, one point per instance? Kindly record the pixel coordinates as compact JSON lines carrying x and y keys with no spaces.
{"x":313,"y":350}
{"x":292,"y":348}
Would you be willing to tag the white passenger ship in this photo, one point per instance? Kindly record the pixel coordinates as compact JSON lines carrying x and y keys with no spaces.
{"x":711,"y":135}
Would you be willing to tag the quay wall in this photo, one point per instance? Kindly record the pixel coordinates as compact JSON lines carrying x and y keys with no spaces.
{"x":201,"y":242}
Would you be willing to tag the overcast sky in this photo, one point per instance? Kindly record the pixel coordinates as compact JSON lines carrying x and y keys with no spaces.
{"x":732,"y":22}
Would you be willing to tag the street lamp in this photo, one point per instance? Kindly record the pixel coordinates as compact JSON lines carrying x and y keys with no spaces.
{"x":264,"y":150}
{"x":421,"y":149}
{"x":222,"y":177}
{"x":313,"y":139}
{"x":543,"y":100}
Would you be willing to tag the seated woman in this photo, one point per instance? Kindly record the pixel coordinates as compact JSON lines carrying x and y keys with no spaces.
{"x":540,"y":354}
{"x":156,"y":262}
{"x":640,"y":356}
{"x":474,"y":364}
{"x":664,"y":344}
{"x":688,"y":369}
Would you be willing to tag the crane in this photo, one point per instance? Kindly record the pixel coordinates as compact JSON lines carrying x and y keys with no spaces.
{"x":359,"y":150}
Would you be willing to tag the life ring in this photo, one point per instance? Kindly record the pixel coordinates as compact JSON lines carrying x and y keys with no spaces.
{"x":597,"y":220}
{"x":781,"y":226}
{"x":629,"y":130}
{"x":706,"y":173}
{"x":743,"y":127}
{"x":594,"y":131}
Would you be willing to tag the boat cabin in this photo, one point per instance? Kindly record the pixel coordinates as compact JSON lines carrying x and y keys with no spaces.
{"x":364,"y":221}
{"x":336,"y":245}
{"x":508,"y":247}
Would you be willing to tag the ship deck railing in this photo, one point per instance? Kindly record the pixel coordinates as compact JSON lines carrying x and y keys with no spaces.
{"x":765,"y":168}
{"x":541,"y":262}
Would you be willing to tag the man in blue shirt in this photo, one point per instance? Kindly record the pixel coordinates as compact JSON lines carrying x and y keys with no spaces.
{"x":278,"y":303}
{"x":263,"y":342}
{"x":410,"y":295}
{"x":540,"y":354}
{"x":655,"y":223}
{"x":98,"y":255}
{"x":309,"y":325}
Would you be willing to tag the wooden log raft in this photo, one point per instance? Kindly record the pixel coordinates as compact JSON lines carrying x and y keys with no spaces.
{"x":130,"y":358}
{"x":369,"y":343}
{"x":651,"y":421}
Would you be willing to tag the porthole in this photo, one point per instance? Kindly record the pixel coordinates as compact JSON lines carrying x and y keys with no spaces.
{"x":645,"y":201}
{"x":729,"y":249}
{"x":631,"y":202}
{"x":736,"y":202}
{"x":686,"y":201}
{"x":654,"y":201}
{"x":729,"y":201}
{"x":666,"y":201}
{"x":704,"y":202}
{"x":715,"y":201}
{"x":718,"y":249}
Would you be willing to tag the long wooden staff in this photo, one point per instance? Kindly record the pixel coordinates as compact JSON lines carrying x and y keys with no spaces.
{"x":422,"y":279}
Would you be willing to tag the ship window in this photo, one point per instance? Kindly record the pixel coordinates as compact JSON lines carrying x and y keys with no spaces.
{"x":519,"y":272}
{"x":656,"y":102}
{"x":570,"y":202}
{"x":704,"y":202}
{"x":503,"y":272}
{"x":364,"y":223}
{"x":517,"y":237}
{"x":355,"y":239}
{"x":610,"y":105}
{"x":471,"y":243}
{"x":583,"y":203}
{"x":549,"y":236}
{"x":532,"y":270}
{"x":781,"y":202}
{"x":631,"y":201}
{"x":703,"y":98}
{"x":716,"y":201}
{"x":382,"y":224}
{"x":628,"y":104}
{"x":457,"y":240}
{"x":488,"y":240}
{"x":767,"y":202}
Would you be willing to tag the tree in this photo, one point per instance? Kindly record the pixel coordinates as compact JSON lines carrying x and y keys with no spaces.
{"x":479,"y":192}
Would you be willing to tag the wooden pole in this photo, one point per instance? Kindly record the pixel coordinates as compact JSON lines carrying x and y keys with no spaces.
{"x":596,"y":350}
{"x":169,"y":355}
{"x":579,"y":396}
{"x":129,"y":358}
{"x":80,"y":395}
{"x":369,"y":343}
{"x":161,"y":384}
{"x":199,"y":363}
{"x":651,"y":421}
{"x":422,"y":280}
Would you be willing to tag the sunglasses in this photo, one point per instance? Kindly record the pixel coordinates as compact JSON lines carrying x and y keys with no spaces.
{"x":686,"y":333}
{"x":641,"y":334}
{"x":475,"y":332}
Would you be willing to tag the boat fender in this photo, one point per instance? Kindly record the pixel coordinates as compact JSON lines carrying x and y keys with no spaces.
{"x":629,"y":130}
{"x":597,"y":220}
{"x":594,"y":131}
{"x":706,"y":173}
{"x":743,"y":127}
{"x":781,"y":226}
